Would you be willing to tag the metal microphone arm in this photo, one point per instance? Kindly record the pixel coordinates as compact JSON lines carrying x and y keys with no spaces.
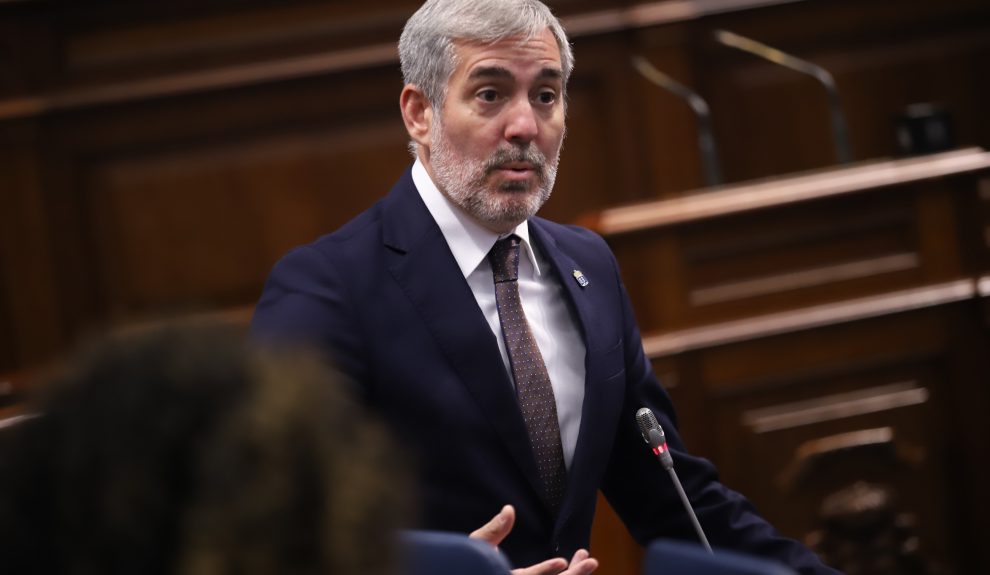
{"x":653,"y":435}
{"x":690,"y":510}
{"x":840,"y":132}
{"x":706,"y":141}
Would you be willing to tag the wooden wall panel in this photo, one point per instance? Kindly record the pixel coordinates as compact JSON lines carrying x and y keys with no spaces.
{"x":670,"y":159}
{"x":889,"y":402}
{"x":883,"y":55}
{"x":113,"y":42}
{"x":774,"y":258}
{"x":819,"y":314}
{"x":797,"y":254}
{"x":31,"y":330}
{"x":611,"y":544}
{"x":184,"y":215}
{"x":68,"y":46}
{"x":119,"y":87}
{"x":160,"y":157}
{"x":599,"y":162}
{"x":968,"y":428}
{"x":155,"y":218}
{"x":977,"y":232}
{"x":28,"y":49}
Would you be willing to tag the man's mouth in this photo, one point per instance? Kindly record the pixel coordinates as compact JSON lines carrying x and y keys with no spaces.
{"x":516,"y":170}
{"x":518,"y":166}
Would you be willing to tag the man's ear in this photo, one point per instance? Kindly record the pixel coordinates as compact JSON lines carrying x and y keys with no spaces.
{"x":417,"y":114}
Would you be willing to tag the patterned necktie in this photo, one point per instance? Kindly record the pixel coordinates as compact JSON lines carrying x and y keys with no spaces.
{"x":533,"y":388}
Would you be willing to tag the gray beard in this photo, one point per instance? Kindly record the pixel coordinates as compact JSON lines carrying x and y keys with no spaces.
{"x":464,"y":181}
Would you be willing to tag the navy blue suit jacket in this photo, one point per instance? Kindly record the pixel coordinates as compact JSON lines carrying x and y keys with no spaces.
{"x":386,"y":296}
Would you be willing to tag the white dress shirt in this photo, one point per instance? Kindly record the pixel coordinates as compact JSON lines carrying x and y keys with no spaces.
{"x":543,"y":301}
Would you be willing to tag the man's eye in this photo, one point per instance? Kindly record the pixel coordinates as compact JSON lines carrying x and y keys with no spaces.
{"x":548,"y":97}
{"x":488,"y":95}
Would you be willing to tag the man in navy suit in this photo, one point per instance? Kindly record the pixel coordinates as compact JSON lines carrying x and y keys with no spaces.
{"x":405,"y":298}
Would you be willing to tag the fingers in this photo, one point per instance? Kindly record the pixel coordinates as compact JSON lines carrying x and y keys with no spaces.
{"x":548,"y":567}
{"x":581,"y":564}
{"x":499,"y":527}
{"x":496,"y":530}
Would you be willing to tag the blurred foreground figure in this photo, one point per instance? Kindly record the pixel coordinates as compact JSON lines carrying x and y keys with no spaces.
{"x":184,"y":450}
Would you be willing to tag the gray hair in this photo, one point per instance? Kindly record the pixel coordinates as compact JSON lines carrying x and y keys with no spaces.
{"x":426,"y":47}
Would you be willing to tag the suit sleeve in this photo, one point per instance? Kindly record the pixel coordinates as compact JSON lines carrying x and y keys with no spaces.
{"x":304,"y":302}
{"x":641,"y":492}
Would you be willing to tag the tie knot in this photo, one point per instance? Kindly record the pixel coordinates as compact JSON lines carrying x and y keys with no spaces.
{"x":504,"y":257}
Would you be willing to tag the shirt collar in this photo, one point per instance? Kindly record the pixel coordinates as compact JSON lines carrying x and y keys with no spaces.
{"x":468,"y":240}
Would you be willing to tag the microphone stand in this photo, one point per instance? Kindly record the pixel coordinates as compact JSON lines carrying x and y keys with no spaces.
{"x":653,"y":435}
{"x":706,"y":141}
{"x":690,"y":510}
{"x":840,"y":132}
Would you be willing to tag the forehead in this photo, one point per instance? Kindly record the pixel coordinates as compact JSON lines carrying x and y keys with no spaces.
{"x":517,"y":54}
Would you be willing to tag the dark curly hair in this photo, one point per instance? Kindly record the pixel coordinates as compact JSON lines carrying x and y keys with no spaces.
{"x":187,"y":450}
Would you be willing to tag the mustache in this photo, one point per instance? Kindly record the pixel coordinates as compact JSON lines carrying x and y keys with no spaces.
{"x":503,"y":156}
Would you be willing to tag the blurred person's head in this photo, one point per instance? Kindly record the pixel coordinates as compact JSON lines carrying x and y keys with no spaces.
{"x":185,"y":450}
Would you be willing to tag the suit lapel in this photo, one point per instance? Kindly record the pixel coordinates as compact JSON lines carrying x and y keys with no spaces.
{"x":423,"y":266}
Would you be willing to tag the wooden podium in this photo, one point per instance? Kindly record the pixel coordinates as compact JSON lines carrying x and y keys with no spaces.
{"x":825,"y":339}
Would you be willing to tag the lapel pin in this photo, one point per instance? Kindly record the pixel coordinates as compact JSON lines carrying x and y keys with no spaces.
{"x":581,"y":280}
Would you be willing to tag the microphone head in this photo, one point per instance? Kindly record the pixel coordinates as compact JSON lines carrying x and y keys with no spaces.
{"x":649,"y":428}
{"x":656,"y":438}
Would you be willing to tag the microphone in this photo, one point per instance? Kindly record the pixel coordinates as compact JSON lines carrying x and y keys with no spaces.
{"x":840,"y":132}
{"x":706,"y":139}
{"x":653,"y":435}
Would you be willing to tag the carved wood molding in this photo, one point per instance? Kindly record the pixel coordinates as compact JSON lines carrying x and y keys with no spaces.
{"x":202,"y":81}
{"x":672,"y":343}
{"x":835,"y":406}
{"x":358,"y":57}
{"x":779,"y":191}
{"x":656,"y":13}
{"x":877,"y":442}
{"x":816,"y":276}
{"x":15,"y":419}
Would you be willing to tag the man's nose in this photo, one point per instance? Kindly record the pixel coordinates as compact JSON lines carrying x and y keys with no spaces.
{"x":521,"y":125}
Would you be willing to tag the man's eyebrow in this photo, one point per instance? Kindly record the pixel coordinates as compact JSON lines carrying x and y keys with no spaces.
{"x":490,"y":72}
{"x":499,"y":72}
